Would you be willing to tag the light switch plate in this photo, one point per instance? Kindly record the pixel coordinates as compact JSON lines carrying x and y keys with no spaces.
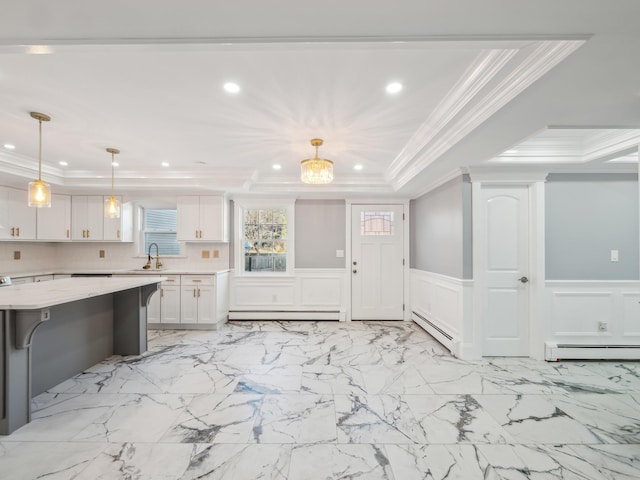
{"x":339,"y":253}
{"x":205,"y":253}
{"x":614,"y":255}
{"x":16,"y":255}
{"x":216,"y":254}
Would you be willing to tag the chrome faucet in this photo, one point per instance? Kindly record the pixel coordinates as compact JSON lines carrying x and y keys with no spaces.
{"x":158,"y":263}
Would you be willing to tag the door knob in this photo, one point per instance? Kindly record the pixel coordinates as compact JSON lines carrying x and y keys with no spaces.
{"x":523,"y":279}
{"x":355,"y":271}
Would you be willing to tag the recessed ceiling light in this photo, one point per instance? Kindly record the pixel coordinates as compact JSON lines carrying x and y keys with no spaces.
{"x":394,"y":87}
{"x":165,"y":164}
{"x":115,"y":164}
{"x":276,"y":166}
{"x":8,"y":146}
{"x":358,"y":166}
{"x":232,"y":87}
{"x":63,"y":163}
{"x":39,"y":49}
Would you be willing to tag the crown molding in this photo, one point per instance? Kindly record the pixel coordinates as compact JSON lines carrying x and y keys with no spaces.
{"x":539,"y":61}
{"x":484,"y":68}
{"x":447,"y":177}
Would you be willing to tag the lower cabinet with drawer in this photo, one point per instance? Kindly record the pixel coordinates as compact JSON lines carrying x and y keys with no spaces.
{"x":198,"y":299}
{"x":190,"y":301}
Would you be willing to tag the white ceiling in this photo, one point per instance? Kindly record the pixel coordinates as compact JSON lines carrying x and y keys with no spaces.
{"x":478,"y":80}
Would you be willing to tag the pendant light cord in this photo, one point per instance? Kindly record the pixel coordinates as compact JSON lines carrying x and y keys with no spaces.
{"x":40,"y":150}
{"x":112,"y":174}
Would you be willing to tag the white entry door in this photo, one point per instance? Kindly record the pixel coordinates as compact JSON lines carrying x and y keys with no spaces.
{"x":377,"y":246}
{"x":506,"y":251}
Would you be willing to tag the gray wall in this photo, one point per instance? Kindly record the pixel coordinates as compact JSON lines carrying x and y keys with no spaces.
{"x":441,"y":230}
{"x":320,"y":231}
{"x":587,"y":216}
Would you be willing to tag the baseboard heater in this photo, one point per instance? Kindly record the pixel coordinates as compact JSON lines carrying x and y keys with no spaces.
{"x":435,"y":331}
{"x":567,"y":351}
{"x":335,"y":315}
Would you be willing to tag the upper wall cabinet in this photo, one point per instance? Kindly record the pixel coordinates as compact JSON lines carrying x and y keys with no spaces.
{"x":54,"y":224}
{"x":17,"y":219}
{"x":202,"y":219}
{"x":89,"y":223}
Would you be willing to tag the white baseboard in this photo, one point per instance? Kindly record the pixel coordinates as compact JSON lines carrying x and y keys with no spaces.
{"x":334,"y":315}
{"x":554,"y":352}
{"x":436,"y":332}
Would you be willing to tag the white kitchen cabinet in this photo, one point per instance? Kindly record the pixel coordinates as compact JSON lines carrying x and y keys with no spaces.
{"x":164,"y":305}
{"x":202,"y":219}
{"x":198,"y":299}
{"x":17,"y":218}
{"x":90,"y":224}
{"x":87,"y":218}
{"x":54,"y":224}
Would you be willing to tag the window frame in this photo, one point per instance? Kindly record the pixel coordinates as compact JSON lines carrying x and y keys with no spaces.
{"x":240,"y":205}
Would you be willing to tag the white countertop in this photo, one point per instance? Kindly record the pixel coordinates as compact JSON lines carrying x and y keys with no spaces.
{"x":56,"y":292}
{"x":118,"y":271}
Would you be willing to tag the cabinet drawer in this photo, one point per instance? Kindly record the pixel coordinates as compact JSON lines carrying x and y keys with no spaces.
{"x":198,"y":280}
{"x":171,"y":280}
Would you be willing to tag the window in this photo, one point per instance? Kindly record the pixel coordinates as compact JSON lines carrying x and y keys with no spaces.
{"x":265,"y":236}
{"x":159,"y":226}
{"x":376,"y":223}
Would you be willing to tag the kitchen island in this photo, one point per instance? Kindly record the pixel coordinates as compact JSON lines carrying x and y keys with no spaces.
{"x":53,"y":330}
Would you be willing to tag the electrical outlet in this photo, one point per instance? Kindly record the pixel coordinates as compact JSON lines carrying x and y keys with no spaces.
{"x":603,"y":326}
{"x":216,"y":254}
{"x":205,"y":253}
{"x":16,"y":255}
{"x":101,"y":253}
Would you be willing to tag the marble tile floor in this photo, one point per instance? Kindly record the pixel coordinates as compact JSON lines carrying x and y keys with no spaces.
{"x":326,"y":400}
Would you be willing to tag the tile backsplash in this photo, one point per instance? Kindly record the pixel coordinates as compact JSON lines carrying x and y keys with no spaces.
{"x":36,"y":257}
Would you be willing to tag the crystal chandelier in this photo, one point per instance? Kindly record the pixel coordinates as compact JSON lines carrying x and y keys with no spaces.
{"x":316,"y":171}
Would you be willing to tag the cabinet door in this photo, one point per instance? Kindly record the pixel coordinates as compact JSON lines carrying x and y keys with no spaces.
{"x":79,"y":217}
{"x":189,"y":304}
{"x":170,"y":307}
{"x":16,"y":217}
{"x":5,"y":208}
{"x":95,"y":217}
{"x":188,"y":224}
{"x":55,"y":223}
{"x":113,"y":226}
{"x":211,"y":218}
{"x":206,"y":304}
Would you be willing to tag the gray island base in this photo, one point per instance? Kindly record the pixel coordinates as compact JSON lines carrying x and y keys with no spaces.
{"x":54,"y":330}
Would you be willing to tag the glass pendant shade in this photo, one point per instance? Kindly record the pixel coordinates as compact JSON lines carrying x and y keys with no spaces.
{"x":39,"y":191}
{"x":39,"y":194}
{"x":111,"y":204}
{"x":316,"y":171}
{"x":111,"y":207}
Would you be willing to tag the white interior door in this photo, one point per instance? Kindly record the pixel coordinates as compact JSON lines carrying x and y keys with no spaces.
{"x":506,"y":246}
{"x":377,"y":255}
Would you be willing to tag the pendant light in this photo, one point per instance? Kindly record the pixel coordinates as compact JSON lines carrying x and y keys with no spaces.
{"x":39,"y":191}
{"x":111,"y":204}
{"x":316,"y":171}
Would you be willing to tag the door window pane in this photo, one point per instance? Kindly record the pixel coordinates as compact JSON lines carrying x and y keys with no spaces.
{"x":376,"y":223}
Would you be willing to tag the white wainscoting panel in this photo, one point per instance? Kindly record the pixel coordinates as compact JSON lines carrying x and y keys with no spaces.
{"x":309,"y":294}
{"x":631,"y":314}
{"x":576,"y":310}
{"x":441,"y":301}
